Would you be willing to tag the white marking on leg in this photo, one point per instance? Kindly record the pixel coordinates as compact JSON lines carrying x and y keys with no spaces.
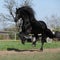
{"x":34,"y":39}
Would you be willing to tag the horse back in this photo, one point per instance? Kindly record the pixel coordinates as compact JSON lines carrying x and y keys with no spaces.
{"x":43,"y":24}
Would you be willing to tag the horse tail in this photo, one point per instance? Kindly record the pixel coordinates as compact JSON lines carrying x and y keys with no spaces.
{"x":49,"y":33}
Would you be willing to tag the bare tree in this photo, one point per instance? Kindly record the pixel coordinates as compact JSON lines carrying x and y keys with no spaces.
{"x":53,"y":22}
{"x":10,"y":6}
{"x":27,"y":2}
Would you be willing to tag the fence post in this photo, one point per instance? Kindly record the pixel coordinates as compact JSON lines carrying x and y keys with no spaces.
{"x":15,"y":35}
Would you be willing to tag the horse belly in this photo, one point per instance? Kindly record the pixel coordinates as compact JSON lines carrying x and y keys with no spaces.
{"x":37,"y":30}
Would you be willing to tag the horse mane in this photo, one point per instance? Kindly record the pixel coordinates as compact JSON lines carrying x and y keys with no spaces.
{"x":28,"y":10}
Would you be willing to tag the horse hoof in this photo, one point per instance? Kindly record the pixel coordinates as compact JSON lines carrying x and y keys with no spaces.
{"x":41,"y":49}
{"x":34,"y":45}
{"x":23,"y":42}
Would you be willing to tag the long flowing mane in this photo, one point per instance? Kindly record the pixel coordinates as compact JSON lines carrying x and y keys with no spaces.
{"x":28,"y":10}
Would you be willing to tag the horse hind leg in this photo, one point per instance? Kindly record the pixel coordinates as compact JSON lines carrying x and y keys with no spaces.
{"x":34,"y":41}
{"x":43,"y":40}
{"x":42,"y":46}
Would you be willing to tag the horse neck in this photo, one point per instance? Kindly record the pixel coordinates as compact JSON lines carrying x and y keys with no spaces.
{"x":28,"y":18}
{"x":25,"y":21}
{"x":32,"y":20}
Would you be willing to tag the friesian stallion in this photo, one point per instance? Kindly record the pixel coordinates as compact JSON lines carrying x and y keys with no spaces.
{"x":31,"y":26}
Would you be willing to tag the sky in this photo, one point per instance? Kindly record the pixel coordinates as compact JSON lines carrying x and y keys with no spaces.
{"x":47,"y":8}
{"x":42,"y":8}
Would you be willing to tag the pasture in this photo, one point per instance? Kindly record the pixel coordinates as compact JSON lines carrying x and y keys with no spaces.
{"x":14,"y":50}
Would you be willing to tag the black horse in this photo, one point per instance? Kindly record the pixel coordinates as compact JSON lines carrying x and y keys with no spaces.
{"x":31,"y":25}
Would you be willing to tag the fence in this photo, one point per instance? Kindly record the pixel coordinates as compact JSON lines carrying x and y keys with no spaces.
{"x":11,"y":35}
{"x":8,"y":35}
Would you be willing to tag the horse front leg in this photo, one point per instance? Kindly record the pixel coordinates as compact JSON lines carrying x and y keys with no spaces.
{"x":21,"y":35}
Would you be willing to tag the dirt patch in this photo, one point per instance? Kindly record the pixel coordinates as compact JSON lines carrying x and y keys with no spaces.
{"x":54,"y":50}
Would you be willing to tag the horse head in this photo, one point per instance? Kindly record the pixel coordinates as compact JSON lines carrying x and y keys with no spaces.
{"x":24,"y":12}
{"x":18,"y":14}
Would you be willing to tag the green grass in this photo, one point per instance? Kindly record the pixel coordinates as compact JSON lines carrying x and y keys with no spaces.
{"x":17,"y":45}
{"x":28,"y":56}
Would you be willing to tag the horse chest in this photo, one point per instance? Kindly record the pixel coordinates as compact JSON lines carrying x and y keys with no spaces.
{"x":26,"y":27}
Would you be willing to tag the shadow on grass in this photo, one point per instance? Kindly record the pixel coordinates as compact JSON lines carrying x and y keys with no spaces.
{"x":17,"y":50}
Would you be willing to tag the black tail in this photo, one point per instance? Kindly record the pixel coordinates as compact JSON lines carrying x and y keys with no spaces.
{"x":49,"y":33}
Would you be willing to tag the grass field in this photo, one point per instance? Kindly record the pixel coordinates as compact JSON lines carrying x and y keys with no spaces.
{"x":51,"y":51}
{"x":4,"y":45}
